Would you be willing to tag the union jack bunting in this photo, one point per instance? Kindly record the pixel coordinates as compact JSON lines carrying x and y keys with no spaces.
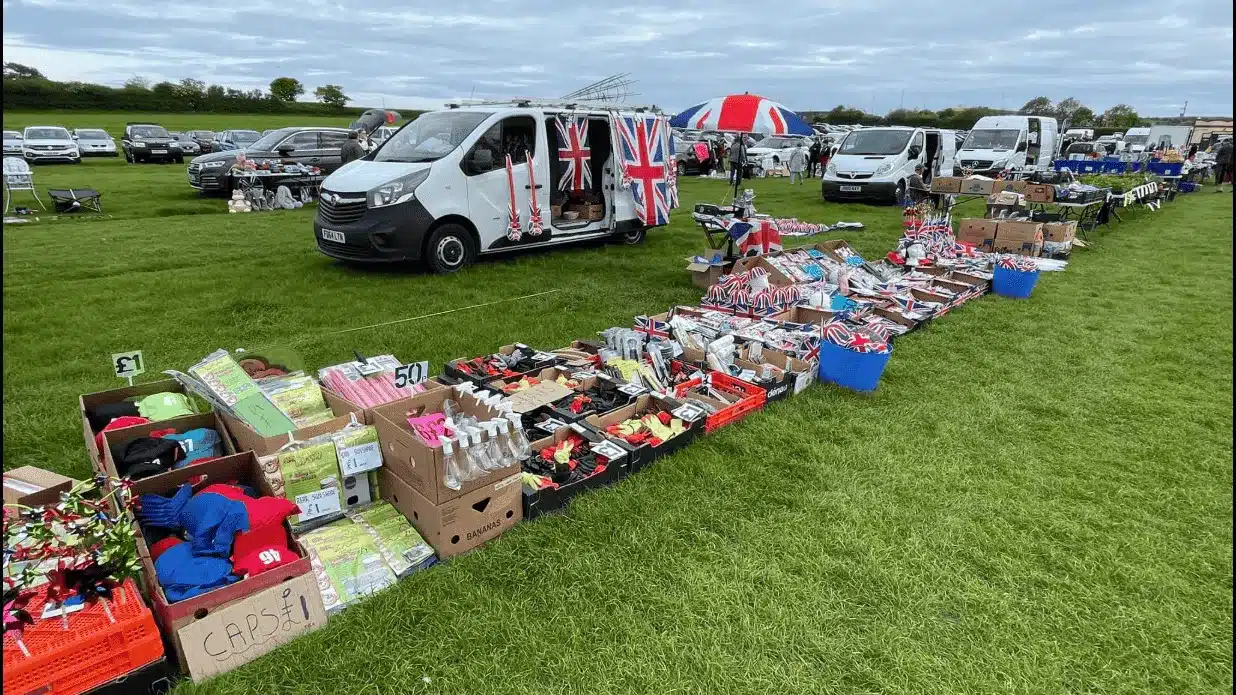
{"x":811,"y":349}
{"x":651,"y":327}
{"x":644,"y":155}
{"x":574,"y":153}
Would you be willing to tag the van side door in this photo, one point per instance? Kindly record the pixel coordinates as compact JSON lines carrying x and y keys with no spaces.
{"x":489,"y":188}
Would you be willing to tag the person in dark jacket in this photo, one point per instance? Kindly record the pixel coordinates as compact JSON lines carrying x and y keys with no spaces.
{"x":351,"y":149}
{"x":813,"y":158}
{"x":1223,"y":163}
{"x":738,"y":157}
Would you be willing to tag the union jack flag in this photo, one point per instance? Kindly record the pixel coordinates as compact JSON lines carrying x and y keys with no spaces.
{"x":910,"y":305}
{"x":758,"y":238}
{"x":644,"y":149}
{"x":651,"y":327}
{"x":573,"y":151}
{"x":811,"y":349}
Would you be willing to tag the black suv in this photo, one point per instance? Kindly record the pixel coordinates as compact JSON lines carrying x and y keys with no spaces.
{"x":146,"y":142}
{"x":315,"y":146}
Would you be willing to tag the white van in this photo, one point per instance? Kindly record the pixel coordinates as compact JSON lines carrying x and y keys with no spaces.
{"x":1075,"y":134}
{"x":875,"y":163}
{"x":1135,"y":139}
{"x":1003,"y":143}
{"x":437,"y":190}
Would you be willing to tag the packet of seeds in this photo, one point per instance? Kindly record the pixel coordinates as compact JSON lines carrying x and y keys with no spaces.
{"x":402,"y":547}
{"x":311,"y":479}
{"x":346,"y":562}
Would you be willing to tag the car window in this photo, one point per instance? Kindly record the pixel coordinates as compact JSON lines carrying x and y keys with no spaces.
{"x":304,"y":140}
{"x":331,"y":139}
{"x":514,"y":136}
{"x":919,"y":140}
{"x":47,"y":134}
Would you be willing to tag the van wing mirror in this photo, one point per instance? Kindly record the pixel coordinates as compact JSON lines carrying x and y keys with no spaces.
{"x":915,"y":151}
{"x":1021,"y":147}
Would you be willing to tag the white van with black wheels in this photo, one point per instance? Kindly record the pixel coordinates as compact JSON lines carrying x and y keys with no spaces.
{"x":1007,"y":143}
{"x":876,"y":163}
{"x":438,"y":190}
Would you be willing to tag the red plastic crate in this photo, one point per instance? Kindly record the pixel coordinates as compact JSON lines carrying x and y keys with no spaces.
{"x":751,"y":401}
{"x":92,"y":651}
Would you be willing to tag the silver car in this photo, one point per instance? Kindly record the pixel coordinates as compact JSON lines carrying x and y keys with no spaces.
{"x":12,"y":143}
{"x":49,"y":144}
{"x":188,"y":145}
{"x":95,"y":142}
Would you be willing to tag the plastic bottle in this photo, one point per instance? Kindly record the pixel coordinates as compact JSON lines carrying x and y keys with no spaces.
{"x":500,"y":458}
{"x":450,"y":409}
{"x":454,"y":477}
{"x":519,"y":443}
{"x":468,"y":468}
{"x":480,"y":453}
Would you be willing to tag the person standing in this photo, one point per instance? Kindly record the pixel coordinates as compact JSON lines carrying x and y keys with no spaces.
{"x":351,"y":150}
{"x":813,"y":157}
{"x":738,"y":156}
{"x":798,"y":164}
{"x":718,"y":153}
{"x":1223,"y":163}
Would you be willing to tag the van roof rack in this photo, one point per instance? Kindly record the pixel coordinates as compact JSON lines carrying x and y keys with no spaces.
{"x":576,"y":104}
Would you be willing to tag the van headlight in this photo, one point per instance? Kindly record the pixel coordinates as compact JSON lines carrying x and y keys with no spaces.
{"x":398,"y":191}
{"x":884,"y":168}
{"x":831,"y":168}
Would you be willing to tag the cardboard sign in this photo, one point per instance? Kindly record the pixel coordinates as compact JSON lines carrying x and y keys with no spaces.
{"x":534,"y":397}
{"x":411,"y":374}
{"x":250,"y":627}
{"x":318,"y":503}
{"x":127,"y":365}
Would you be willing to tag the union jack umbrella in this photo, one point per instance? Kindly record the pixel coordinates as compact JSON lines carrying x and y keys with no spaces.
{"x":534,"y":215}
{"x":514,"y":230}
{"x":574,"y":153}
{"x":743,"y":113}
{"x":644,"y":150}
{"x":651,"y":327}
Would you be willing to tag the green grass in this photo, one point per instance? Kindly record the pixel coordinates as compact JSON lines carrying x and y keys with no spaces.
{"x":114,"y":122}
{"x":1038,"y":499}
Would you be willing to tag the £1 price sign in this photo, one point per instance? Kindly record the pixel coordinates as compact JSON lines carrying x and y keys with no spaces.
{"x":127,"y":365}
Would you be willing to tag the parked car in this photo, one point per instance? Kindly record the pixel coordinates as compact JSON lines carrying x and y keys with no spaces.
{"x":685,"y":158}
{"x":773,"y":150}
{"x":203,"y":138}
{"x":316,"y":146}
{"x":49,"y":144}
{"x":12,"y":143}
{"x":95,"y":142}
{"x":231,"y":140}
{"x":377,"y":137}
{"x":148,"y":142}
{"x":188,"y":146}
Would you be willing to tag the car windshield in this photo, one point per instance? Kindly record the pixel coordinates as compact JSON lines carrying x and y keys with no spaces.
{"x":245,"y":137}
{"x":267,"y":142}
{"x":92,"y":134}
{"x":203,"y":134}
{"x":777,"y":143}
{"x":12,"y":135}
{"x":1081,"y":148}
{"x":875,"y":142}
{"x":47,"y":134}
{"x":148,"y":131}
{"x":431,"y":136}
{"x":184,"y":137}
{"x":1136,"y":139}
{"x":991,"y":140}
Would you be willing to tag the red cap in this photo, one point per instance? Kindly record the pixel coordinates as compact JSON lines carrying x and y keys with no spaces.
{"x":162,"y":546}
{"x":262,"y":559}
{"x":115,"y":424}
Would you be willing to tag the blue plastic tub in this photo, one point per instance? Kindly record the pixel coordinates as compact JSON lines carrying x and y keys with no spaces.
{"x":1090,"y":166}
{"x":859,"y":371}
{"x":1013,"y":283}
{"x":1066,"y":164}
{"x":1114,"y":167}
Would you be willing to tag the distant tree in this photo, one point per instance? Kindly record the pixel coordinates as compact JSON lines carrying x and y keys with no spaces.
{"x":1083,"y":116}
{"x":19,"y":71}
{"x":1066,"y":109}
{"x":286,"y":89}
{"x":1121,"y":116}
{"x":137,"y":82}
{"x":331,"y":95}
{"x":1038,"y":106}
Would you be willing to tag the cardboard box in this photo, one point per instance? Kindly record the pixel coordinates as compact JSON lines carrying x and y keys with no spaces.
{"x":980,"y":233}
{"x":548,"y":359}
{"x":30,"y":486}
{"x":946,"y":184}
{"x":1059,"y":232}
{"x":341,"y":405}
{"x":234,"y":624}
{"x":136,"y":391}
{"x":478,"y":515}
{"x":643,"y":455}
{"x":421,"y":466}
{"x":1040,"y":193}
{"x":114,"y":438}
{"x":706,"y":273}
{"x":975,"y":185}
{"x":802,"y":317}
{"x":538,"y":502}
{"x":246,"y":439}
{"x":831,"y":248}
{"x":1014,"y":186}
{"x":1020,"y":237}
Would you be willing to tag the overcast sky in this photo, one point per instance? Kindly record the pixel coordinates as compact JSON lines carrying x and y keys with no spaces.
{"x":808,"y":54}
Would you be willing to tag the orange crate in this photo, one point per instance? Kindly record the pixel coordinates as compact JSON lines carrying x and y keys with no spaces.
{"x":92,"y":651}
{"x":752,"y":397}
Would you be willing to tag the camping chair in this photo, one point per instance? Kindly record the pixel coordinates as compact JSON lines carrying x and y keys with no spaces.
{"x":18,"y":177}
{"x":75,"y":199}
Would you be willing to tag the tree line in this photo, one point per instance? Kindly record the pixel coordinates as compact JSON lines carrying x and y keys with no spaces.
{"x":25,"y":88}
{"x":1118,"y":117}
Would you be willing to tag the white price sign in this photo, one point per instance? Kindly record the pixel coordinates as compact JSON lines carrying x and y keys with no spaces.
{"x":689,"y":412}
{"x":633,"y":389}
{"x":411,"y":374}
{"x":609,"y":450}
{"x":318,"y":503}
{"x":127,"y":365}
{"x":551,"y":425}
{"x":539,"y":356}
{"x":354,"y":460}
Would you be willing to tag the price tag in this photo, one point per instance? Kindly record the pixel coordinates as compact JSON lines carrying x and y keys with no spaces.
{"x":580,"y":376}
{"x":411,"y":374}
{"x":539,"y":356}
{"x":550,"y":425}
{"x":581,"y":429}
{"x":633,"y":389}
{"x":608,"y":449}
{"x":318,"y":503}
{"x":368,"y":369}
{"x":688,"y":412}
{"x":127,"y":365}
{"x":354,"y":460}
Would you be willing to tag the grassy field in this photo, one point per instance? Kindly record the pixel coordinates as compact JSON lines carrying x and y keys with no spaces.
{"x":114,"y":122}
{"x":1038,"y":499}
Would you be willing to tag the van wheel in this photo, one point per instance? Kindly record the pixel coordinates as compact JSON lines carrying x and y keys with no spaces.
{"x":901,"y":192}
{"x":449,"y":249}
{"x":635,"y":236}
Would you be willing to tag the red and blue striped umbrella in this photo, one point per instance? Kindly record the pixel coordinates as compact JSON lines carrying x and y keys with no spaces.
{"x":743,"y":113}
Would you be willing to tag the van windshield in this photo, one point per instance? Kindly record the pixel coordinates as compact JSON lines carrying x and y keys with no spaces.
{"x":1136,"y":139}
{"x":991,"y":140}
{"x":873,"y":141}
{"x":431,"y":136}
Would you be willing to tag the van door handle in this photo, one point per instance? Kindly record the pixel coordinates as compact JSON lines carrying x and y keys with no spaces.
{"x":538,"y":187}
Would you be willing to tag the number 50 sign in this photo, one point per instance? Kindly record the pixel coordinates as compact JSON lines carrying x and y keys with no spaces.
{"x":411,"y":374}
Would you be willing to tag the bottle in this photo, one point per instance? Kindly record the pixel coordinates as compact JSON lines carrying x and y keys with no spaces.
{"x":450,"y":409}
{"x":480,"y":452}
{"x":476,"y":455}
{"x":500,"y":458}
{"x":467,"y":466}
{"x":519,"y":443}
{"x":454,"y":477}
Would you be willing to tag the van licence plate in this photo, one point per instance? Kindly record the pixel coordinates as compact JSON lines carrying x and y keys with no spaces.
{"x":851,"y":189}
{"x":332,"y":235}
{"x":158,"y":152}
